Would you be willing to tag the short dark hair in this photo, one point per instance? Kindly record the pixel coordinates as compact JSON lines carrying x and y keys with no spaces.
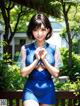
{"x":36,"y":21}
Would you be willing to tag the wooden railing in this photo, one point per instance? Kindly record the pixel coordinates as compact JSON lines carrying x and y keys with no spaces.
{"x":64,"y":98}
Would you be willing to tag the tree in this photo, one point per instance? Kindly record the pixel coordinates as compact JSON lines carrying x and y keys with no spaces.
{"x":51,"y":7}
{"x":7,"y":5}
{"x":66,"y":6}
{"x":6,"y":8}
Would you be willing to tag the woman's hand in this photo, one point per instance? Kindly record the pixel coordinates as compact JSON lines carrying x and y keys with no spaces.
{"x":42,"y":53}
{"x":37,"y":54}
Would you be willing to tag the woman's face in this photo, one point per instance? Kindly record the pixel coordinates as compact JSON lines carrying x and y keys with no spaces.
{"x":40,"y":33}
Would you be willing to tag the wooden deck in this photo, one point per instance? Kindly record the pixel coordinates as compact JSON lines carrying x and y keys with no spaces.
{"x":64,"y":98}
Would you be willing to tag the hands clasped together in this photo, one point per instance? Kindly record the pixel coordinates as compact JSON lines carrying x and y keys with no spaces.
{"x":40,"y":53}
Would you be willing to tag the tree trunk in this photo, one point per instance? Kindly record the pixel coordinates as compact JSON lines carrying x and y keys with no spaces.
{"x":7,"y":49}
{"x":69,"y":37}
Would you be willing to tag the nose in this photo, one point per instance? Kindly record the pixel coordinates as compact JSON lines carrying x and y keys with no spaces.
{"x":39,"y":33}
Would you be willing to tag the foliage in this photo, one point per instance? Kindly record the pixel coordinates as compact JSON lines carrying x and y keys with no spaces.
{"x":16,"y":56}
{"x":11,"y":15}
{"x":10,"y":78}
{"x":24,"y":17}
{"x":76,"y":46}
{"x":16,"y":82}
{"x":75,"y":63}
{"x":75,"y":33}
{"x":74,"y":13}
{"x":74,"y":27}
{"x":2,"y":43}
{"x":68,"y":85}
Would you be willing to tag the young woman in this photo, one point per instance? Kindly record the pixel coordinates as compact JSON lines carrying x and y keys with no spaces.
{"x":40,"y":61}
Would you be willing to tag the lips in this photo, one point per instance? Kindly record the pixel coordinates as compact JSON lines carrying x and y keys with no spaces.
{"x":39,"y":36}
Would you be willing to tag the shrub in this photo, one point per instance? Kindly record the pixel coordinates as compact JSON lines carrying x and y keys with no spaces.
{"x":68,"y":85}
{"x":75,"y":64}
{"x":10,"y":78}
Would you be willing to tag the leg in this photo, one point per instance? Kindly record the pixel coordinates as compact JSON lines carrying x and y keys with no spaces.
{"x":44,"y":105}
{"x":30,"y":103}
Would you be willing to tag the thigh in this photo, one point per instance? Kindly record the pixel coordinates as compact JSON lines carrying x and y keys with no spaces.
{"x":30,"y":103}
{"x":45,"y":105}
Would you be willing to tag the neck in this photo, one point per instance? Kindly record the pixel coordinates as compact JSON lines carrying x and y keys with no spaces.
{"x":40,"y":44}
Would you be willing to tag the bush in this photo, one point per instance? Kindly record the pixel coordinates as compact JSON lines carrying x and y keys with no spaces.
{"x":10,"y":78}
{"x":68,"y":85}
{"x":76,"y":46}
{"x":75,"y":64}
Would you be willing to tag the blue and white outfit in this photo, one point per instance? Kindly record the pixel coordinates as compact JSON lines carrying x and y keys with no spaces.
{"x":39,"y":85}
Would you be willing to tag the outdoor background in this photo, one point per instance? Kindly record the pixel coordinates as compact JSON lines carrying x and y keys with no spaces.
{"x":64,"y":16}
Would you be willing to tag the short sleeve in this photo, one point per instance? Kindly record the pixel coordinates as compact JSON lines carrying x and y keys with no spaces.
{"x":18,"y":63}
{"x":22,"y":57}
{"x":58,"y":59}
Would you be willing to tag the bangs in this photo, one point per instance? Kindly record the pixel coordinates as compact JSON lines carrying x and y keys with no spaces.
{"x":37,"y":24}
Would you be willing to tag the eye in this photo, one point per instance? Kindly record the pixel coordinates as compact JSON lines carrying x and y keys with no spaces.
{"x":43,"y":29}
{"x":35,"y":29}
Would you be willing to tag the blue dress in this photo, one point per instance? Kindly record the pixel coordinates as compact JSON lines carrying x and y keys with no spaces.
{"x":39,"y":85}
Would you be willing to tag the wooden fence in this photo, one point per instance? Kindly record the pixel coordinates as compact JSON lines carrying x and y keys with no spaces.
{"x":64,"y":98}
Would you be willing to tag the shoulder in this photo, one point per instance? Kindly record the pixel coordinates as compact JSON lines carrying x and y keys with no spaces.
{"x":51,"y":46}
{"x":23,"y":50}
{"x":28,"y":45}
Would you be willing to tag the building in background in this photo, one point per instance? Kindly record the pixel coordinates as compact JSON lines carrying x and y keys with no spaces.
{"x":21,"y":38}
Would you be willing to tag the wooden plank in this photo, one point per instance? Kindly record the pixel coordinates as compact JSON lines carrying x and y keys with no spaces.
{"x":75,"y":102}
{"x":60,"y":95}
{"x":10,"y":94}
{"x":57,"y":104}
{"x":17,"y":102}
{"x":66,"y":95}
{"x":79,"y":102}
{"x":10,"y":102}
{"x":70,"y":102}
{"x":62,"y":102}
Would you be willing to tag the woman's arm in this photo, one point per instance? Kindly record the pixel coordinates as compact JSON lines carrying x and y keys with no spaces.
{"x":26,"y":70}
{"x":54,"y":70}
{"x":58,"y":59}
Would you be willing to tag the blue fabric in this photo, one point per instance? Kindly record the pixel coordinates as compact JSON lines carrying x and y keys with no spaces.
{"x":39,"y":85}
{"x":30,"y":50}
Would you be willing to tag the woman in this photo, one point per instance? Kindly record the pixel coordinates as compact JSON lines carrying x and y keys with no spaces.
{"x":40,"y":61}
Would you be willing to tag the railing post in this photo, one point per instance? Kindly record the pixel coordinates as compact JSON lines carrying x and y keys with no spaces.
{"x":64,"y":98}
